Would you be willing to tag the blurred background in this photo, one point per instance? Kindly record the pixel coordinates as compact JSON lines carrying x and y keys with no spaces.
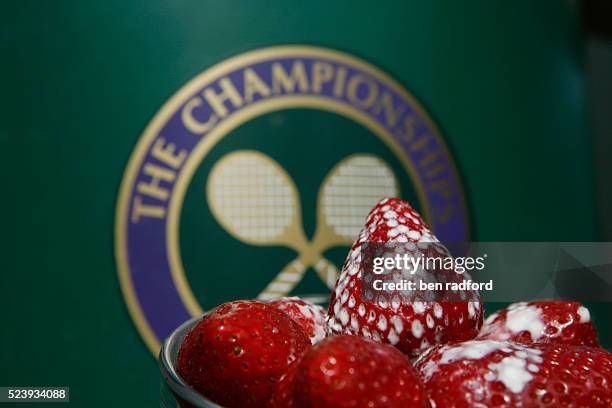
{"x":521,"y":93}
{"x":596,"y":18}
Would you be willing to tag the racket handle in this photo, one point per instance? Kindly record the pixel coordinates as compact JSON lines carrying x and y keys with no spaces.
{"x":284,"y":282}
{"x":327,"y":271}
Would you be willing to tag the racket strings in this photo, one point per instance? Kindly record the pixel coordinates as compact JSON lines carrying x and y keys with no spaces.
{"x":352,"y":190}
{"x":253,"y":197}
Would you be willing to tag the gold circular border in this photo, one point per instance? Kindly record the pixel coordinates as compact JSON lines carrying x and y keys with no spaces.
{"x":235,"y":119}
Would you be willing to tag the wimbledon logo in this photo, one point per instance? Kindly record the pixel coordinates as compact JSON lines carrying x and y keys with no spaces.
{"x":233,"y":161}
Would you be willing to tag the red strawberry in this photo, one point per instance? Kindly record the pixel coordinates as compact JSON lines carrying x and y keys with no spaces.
{"x":238,"y":351}
{"x":311,"y":317}
{"x":284,"y":394}
{"x":552,"y":321}
{"x":480,"y":374}
{"x":351,"y":371}
{"x":409,"y":323}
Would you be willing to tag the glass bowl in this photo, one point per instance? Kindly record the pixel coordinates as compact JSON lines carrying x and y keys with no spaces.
{"x":174,"y":391}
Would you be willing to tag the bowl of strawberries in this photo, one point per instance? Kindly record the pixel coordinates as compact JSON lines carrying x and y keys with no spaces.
{"x":371,"y":353}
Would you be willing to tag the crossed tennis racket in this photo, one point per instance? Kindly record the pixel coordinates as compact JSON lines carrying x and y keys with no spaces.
{"x":257,"y":202}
